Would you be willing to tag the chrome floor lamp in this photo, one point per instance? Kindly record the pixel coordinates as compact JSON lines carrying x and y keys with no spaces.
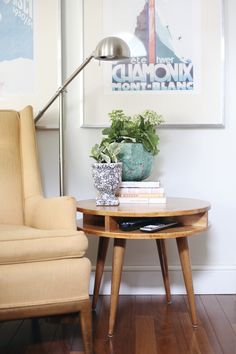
{"x":108,"y":49}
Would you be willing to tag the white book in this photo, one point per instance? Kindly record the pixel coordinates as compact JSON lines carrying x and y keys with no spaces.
{"x":161,"y":200}
{"x":140,"y":184}
{"x":141,"y":195}
{"x":133,"y":190}
{"x":127,"y":200}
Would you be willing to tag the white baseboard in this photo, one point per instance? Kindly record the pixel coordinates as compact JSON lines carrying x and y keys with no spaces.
{"x":147,"y":280}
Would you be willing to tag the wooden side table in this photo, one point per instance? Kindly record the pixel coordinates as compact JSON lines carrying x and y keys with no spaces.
{"x":103,"y":222}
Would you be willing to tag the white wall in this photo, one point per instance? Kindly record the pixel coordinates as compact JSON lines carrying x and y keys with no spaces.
{"x":198,"y":163}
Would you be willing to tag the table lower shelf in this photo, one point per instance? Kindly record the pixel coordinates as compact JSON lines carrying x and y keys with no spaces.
{"x":175,"y":232}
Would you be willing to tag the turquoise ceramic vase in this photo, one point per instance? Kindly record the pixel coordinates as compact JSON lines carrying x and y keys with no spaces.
{"x":137,"y":162}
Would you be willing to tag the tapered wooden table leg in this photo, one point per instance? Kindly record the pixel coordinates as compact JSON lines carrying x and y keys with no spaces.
{"x":183,"y":249}
{"x":117,"y":264}
{"x":164,"y":267}
{"x":101,"y":258}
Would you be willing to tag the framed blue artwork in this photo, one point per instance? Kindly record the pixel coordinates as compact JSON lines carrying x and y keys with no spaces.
{"x":29,"y":53}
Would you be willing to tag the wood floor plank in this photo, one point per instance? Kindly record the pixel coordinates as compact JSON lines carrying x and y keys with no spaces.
{"x":125,"y":327}
{"x":64,"y":335}
{"x":170,"y":338}
{"x":100,"y":326}
{"x":22,"y":338}
{"x":77,"y":340}
{"x":126,"y":312}
{"x":228,"y":304}
{"x":33,"y":338}
{"x":43,"y":335}
{"x":7,"y":332}
{"x":177,"y":330}
{"x":143,"y":305}
{"x":144,"y":314}
{"x":220,"y":323}
{"x":204,"y":322}
{"x":196,"y":338}
{"x":59,"y":347}
{"x":145,"y":337}
{"x":38,"y":348}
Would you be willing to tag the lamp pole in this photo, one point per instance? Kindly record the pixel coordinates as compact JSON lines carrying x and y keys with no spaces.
{"x":108,"y":49}
{"x":60,"y":94}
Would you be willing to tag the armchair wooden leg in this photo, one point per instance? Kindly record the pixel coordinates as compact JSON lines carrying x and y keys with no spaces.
{"x":86,"y":326}
{"x":164,"y":267}
{"x":101,"y":257}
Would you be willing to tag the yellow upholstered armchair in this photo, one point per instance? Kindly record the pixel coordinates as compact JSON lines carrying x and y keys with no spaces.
{"x":43,"y":270}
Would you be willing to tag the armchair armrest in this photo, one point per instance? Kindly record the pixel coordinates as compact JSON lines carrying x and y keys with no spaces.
{"x":50,"y":213}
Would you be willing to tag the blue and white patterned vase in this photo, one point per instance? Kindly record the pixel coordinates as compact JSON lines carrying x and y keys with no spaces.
{"x":107,"y":179}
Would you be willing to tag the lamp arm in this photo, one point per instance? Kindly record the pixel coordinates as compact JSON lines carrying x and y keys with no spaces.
{"x":62,"y":88}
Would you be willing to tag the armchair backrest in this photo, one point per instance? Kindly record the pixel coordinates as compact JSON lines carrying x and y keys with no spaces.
{"x":19,"y":170}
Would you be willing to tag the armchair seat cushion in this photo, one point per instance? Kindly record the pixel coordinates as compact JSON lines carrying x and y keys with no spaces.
{"x":23,"y":244}
{"x":41,"y":283}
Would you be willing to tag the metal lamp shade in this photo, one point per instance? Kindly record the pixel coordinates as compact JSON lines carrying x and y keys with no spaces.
{"x":111,"y":48}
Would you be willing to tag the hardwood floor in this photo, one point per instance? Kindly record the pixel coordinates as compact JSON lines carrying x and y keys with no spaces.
{"x":145,"y":325}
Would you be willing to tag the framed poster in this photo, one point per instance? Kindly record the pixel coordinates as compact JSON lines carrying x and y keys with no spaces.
{"x":30,"y":58}
{"x":176,"y":66}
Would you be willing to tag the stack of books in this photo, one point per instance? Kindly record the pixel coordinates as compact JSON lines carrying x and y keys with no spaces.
{"x":141,"y":192}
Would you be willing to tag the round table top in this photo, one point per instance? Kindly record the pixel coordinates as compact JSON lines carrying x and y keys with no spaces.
{"x":173,"y":207}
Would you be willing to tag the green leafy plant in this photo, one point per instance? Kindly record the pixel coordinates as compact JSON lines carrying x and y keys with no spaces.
{"x":140,"y":128}
{"x":105,"y":152}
